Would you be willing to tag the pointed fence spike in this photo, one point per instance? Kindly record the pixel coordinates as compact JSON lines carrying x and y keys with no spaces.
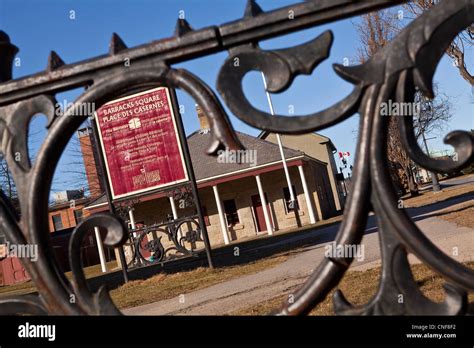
{"x":182,"y":27}
{"x":7,"y":56}
{"x":252,"y":9}
{"x":54,"y":61}
{"x":116,"y":44}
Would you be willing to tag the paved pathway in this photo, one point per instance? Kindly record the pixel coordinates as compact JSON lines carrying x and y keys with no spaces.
{"x":251,"y":289}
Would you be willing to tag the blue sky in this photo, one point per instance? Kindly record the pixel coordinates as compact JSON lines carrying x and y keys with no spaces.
{"x":37,"y":27}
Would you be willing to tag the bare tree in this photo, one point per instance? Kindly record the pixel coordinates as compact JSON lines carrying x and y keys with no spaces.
{"x":80,"y":154}
{"x":375,"y":31}
{"x":73,"y":175}
{"x":434,"y":114}
{"x":7,"y":185}
{"x":456,"y":50}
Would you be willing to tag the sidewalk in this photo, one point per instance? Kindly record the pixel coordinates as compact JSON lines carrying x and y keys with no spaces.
{"x":252,"y":289}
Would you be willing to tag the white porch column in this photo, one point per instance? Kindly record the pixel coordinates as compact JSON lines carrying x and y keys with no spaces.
{"x":175,"y":215}
{"x":100,"y":248}
{"x":220,"y":209}
{"x":128,"y":250}
{"x":173,"y":208}
{"x":132,"y":218}
{"x":307,"y":196}
{"x":268,"y":222}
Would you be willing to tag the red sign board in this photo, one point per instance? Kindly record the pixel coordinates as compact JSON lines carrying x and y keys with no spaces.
{"x":140,"y":143}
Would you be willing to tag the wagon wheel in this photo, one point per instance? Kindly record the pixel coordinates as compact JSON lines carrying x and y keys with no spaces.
{"x":150,"y":249}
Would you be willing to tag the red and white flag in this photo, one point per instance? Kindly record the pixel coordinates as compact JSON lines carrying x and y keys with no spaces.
{"x":344,"y":154}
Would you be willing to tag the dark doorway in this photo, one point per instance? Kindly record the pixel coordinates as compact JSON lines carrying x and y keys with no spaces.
{"x":258,"y":211}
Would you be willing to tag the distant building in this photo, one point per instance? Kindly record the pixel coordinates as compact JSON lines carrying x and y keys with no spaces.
{"x":67,"y":210}
{"x":65,"y":213}
{"x":319,"y":147}
{"x":423,"y":176}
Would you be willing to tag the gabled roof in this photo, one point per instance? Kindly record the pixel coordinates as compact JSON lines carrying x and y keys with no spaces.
{"x":326,"y":140}
{"x":207,"y":166}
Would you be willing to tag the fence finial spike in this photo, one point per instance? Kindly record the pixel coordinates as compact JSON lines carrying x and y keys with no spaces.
{"x":182,"y":27}
{"x":54,"y":61}
{"x":116,"y":44}
{"x":252,"y":9}
{"x":7,"y":55}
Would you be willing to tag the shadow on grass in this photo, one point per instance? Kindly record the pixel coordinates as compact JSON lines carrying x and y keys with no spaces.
{"x":253,"y":250}
{"x":256,"y":249}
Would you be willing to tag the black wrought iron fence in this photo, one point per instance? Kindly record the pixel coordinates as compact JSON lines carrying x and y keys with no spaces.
{"x":163,"y":242}
{"x":394,"y":73}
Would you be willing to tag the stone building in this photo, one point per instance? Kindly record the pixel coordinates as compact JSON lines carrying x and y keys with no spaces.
{"x":316,"y":146}
{"x":233,"y":195}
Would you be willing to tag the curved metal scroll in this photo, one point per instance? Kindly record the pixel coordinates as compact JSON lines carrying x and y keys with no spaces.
{"x":182,"y":235}
{"x":406,"y":63}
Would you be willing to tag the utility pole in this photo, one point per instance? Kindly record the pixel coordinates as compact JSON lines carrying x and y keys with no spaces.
{"x":293,"y":203}
{"x":434,"y":178}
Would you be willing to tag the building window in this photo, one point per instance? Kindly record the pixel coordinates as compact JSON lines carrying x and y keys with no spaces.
{"x":231,"y":212}
{"x":57,"y":222}
{"x":287,"y":199}
{"x":78,"y":216}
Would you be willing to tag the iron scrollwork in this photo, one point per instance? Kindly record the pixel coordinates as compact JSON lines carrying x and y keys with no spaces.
{"x":406,"y":63}
{"x":148,"y":248}
{"x":183,"y":195}
{"x":395,"y":72}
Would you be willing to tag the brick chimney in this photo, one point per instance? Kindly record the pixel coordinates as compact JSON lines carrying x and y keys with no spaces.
{"x":203,"y":120}
{"x":89,"y":156}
